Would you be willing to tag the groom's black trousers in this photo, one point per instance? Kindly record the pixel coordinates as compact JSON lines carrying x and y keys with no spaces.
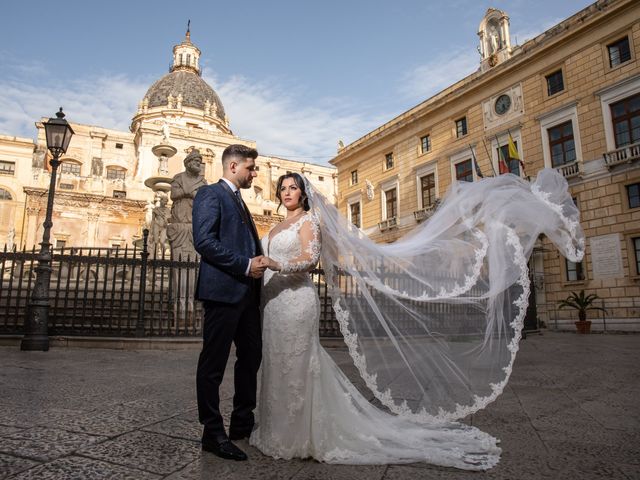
{"x":225,"y":323}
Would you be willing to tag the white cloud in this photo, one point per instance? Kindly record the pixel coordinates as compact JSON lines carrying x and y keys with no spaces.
{"x":108,"y":101}
{"x":283,"y":124}
{"x":279,"y":119}
{"x":424,"y":81}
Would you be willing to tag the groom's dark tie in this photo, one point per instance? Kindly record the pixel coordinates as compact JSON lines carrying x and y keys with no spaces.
{"x":250,"y":220}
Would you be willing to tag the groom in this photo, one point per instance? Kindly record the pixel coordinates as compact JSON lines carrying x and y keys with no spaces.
{"x":231,"y":266}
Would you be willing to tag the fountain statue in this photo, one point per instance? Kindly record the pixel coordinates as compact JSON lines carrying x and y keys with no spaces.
{"x":183,"y":190}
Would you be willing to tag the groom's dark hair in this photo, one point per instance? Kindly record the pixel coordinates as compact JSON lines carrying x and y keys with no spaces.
{"x":241,"y":152}
{"x":299,"y":183}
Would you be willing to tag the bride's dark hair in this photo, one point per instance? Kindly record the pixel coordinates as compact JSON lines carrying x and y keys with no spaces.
{"x":297,"y":178}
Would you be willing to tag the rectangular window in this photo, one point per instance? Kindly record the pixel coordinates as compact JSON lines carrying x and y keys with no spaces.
{"x":428,"y":190}
{"x":119,"y":146}
{"x":119,"y":194}
{"x":320,"y":179}
{"x":7,"y":168}
{"x":633,"y":195}
{"x":354,"y":210}
{"x":561,"y":144}
{"x":461,"y":127}
{"x":464,"y":171}
{"x":354,"y":177}
{"x":71,"y":168}
{"x":116,"y":173}
{"x":512,"y":163}
{"x":425,"y":144}
{"x":391,"y":200}
{"x":636,"y":250}
{"x":574,"y":271}
{"x":619,"y":52}
{"x":60,"y":243}
{"x":388,"y":161}
{"x":66,"y":186}
{"x":555,"y":83}
{"x":625,"y":116}
{"x":268,"y":213}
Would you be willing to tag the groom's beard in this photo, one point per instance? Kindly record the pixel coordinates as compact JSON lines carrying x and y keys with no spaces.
{"x":245,"y":183}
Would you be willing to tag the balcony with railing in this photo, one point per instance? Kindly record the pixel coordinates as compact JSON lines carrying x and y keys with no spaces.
{"x":424,"y":213}
{"x":569,"y":170}
{"x":625,"y":154}
{"x":388,"y":224}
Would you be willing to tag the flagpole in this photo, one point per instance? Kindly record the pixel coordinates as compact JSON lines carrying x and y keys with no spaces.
{"x":476,"y":165}
{"x":489,"y":157}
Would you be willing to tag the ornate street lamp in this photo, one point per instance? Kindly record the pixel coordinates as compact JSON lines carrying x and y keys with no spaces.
{"x":58,"y":133}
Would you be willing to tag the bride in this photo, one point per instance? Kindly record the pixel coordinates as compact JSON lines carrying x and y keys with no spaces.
{"x":432,"y":323}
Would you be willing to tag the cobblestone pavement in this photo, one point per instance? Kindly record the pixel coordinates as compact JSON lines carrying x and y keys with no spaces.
{"x":569,"y":412}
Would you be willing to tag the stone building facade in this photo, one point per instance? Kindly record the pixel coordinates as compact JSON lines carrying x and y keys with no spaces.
{"x":101,"y":197}
{"x":570,"y":100}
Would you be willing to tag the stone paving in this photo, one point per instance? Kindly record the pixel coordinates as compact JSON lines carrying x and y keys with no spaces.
{"x":569,"y":412}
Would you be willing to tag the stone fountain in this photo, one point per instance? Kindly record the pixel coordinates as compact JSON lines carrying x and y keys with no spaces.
{"x":157,"y":219}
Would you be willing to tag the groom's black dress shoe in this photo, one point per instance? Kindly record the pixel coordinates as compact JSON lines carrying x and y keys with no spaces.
{"x":224,"y":449}
{"x":239,"y":435}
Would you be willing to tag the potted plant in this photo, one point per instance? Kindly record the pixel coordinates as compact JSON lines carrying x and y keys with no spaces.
{"x":581,"y":303}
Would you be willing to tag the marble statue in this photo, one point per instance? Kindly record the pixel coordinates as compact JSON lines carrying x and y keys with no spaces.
{"x":96,"y":167}
{"x":159,"y":223}
{"x":183,"y":189}
{"x":11,"y":239}
{"x":163,"y":165}
{"x":166,"y":132}
{"x":39,"y":155}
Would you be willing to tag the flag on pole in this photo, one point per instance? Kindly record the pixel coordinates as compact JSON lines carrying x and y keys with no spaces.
{"x":502,"y":164}
{"x":475,"y":163}
{"x":514,"y":155}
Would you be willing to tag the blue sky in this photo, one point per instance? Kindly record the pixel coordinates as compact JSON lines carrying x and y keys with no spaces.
{"x":295,"y":76}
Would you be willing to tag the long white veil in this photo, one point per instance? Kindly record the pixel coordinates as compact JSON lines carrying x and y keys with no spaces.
{"x":433,"y":321}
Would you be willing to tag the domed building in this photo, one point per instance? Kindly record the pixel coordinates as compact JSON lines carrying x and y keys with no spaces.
{"x":101,"y":196}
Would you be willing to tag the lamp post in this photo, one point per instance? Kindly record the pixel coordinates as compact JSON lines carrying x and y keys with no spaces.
{"x":58,"y":133}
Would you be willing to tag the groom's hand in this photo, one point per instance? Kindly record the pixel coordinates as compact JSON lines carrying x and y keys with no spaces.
{"x":258,"y":266}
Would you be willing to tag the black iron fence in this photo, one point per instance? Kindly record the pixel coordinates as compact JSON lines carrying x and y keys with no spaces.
{"x":115,"y":292}
{"x":128,"y":292}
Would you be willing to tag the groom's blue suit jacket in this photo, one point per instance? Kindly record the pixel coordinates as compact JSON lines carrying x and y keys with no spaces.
{"x":224,"y":237}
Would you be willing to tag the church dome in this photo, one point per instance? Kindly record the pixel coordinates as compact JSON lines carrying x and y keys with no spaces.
{"x":188,"y":84}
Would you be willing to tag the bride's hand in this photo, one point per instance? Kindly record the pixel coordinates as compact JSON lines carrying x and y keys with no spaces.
{"x":272,"y":264}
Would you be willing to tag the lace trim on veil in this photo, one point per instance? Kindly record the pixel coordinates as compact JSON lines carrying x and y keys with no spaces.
{"x":402,"y":409}
{"x":457,"y":290}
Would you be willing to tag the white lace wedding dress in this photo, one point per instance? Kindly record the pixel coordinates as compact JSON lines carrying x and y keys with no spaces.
{"x":307,"y":407}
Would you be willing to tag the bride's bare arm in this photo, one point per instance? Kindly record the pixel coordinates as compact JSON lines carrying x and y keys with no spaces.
{"x":310,"y":244}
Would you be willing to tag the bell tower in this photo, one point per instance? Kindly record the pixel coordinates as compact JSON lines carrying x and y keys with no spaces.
{"x":495,"y":43}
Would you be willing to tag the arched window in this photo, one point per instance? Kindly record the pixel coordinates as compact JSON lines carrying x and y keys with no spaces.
{"x":5,"y":194}
{"x":116,"y":173}
{"x":70,"y":167}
